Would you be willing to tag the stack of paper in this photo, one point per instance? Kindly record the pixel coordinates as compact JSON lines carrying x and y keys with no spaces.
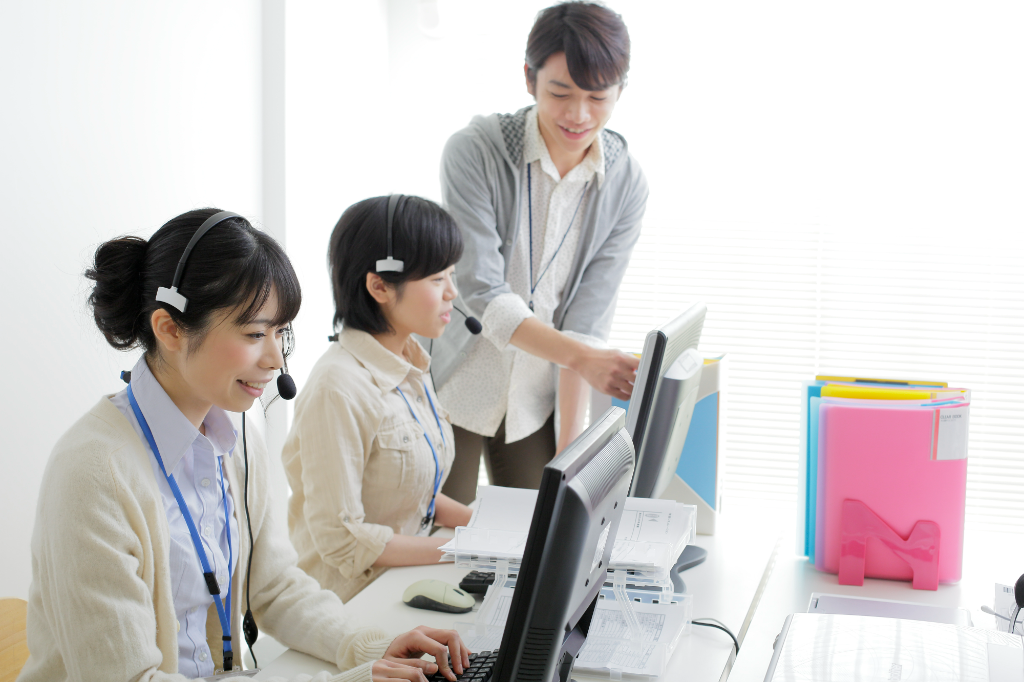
{"x":651,"y":534}
{"x":633,"y":631}
{"x":898,"y":448}
{"x":608,"y":646}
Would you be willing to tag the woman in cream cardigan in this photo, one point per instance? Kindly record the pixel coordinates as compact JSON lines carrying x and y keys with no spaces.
{"x":370,"y":446}
{"x":153,"y":478}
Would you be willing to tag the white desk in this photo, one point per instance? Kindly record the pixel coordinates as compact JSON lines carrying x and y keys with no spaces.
{"x":726,"y":587}
{"x":988,"y":558}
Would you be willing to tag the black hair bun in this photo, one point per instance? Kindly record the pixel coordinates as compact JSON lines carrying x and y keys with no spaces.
{"x":116,"y":298}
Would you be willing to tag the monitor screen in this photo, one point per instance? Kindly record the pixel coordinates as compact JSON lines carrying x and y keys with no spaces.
{"x":663,"y":397}
{"x":579,"y":504}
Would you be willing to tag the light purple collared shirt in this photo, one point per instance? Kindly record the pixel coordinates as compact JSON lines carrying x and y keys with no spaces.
{"x":192,"y":459}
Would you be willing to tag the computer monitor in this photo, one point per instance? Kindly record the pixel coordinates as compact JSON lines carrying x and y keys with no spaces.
{"x":579,"y":504}
{"x":663,"y":397}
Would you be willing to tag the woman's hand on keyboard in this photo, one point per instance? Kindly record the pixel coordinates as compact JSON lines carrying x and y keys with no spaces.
{"x":407,"y":648}
{"x":389,"y":671}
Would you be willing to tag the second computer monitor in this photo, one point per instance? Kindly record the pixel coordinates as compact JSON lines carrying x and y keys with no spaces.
{"x":663,"y":397}
{"x":565,"y":559}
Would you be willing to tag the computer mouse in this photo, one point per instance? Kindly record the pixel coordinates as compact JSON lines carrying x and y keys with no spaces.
{"x":438,"y":595}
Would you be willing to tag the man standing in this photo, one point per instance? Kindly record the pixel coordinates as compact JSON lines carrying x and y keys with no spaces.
{"x":549,"y":203}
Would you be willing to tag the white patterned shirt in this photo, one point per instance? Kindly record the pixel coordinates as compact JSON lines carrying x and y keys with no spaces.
{"x":498,"y":380}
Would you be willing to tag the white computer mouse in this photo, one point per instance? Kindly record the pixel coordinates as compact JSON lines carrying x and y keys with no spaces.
{"x":438,"y":595}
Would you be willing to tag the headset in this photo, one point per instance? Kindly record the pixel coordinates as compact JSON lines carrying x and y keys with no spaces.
{"x":285,"y":388}
{"x":389,"y":264}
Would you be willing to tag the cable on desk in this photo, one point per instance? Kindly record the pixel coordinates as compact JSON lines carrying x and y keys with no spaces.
{"x":718,"y":625}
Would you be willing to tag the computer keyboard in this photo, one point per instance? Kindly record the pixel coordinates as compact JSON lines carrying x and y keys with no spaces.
{"x":481,"y":665}
{"x":477,"y":582}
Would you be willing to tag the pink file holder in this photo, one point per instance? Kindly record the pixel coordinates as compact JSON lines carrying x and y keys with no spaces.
{"x":920,"y":550}
{"x":884,"y":456}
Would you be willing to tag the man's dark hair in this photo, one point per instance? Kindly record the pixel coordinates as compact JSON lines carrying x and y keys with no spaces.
{"x":424,"y":236}
{"x":593,"y":38}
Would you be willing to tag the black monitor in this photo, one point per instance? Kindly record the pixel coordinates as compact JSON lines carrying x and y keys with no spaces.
{"x":660,"y":409}
{"x":579,"y":504}
{"x":663,"y":397}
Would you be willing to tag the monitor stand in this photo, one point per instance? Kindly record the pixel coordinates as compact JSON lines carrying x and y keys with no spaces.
{"x":691,"y":556}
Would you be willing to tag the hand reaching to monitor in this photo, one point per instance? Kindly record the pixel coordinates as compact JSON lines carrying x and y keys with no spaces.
{"x":406,"y":649}
{"x":610,"y":371}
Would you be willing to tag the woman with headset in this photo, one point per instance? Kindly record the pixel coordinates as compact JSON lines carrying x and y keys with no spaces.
{"x":370,"y":445}
{"x":154,"y":518}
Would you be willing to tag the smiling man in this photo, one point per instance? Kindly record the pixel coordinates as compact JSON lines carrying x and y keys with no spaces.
{"x":549,"y":203}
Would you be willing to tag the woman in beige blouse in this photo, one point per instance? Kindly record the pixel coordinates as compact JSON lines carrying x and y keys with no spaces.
{"x":370,"y":447}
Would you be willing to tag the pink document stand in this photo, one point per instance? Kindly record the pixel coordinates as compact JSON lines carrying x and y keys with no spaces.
{"x":882,"y":456}
{"x":920,"y":550}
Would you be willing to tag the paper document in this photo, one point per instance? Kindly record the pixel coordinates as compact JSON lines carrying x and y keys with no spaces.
{"x":608,"y":645}
{"x":651,"y":533}
{"x":501,"y":508}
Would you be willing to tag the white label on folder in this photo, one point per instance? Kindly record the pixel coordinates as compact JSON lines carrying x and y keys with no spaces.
{"x":952,"y":440}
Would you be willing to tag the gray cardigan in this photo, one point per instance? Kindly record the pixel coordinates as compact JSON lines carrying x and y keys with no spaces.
{"x":481,"y":171}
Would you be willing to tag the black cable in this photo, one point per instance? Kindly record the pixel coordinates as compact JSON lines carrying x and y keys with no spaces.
{"x":430,"y":370}
{"x":719,"y":626}
{"x":1013,"y":621}
{"x":248,"y":620}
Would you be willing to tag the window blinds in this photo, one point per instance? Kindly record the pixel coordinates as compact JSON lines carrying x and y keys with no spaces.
{"x":786,"y":303}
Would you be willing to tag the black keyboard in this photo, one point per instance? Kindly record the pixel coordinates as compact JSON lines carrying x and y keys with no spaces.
{"x":481,"y":665}
{"x":477,"y":582}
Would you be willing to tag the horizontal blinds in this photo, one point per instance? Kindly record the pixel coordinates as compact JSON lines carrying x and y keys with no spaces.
{"x":787,"y":303}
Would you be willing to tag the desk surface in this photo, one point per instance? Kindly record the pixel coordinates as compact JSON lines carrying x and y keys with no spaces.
{"x":726,"y":587}
{"x":988,"y":558}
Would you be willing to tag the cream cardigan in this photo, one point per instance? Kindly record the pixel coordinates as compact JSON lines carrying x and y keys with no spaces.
{"x":100,"y":604}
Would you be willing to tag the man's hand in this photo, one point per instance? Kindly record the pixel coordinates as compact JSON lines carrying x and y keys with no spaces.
{"x":610,"y":371}
{"x":407,"y":648}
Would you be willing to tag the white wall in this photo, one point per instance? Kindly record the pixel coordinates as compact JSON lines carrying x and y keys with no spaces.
{"x":336,"y":153}
{"x":116,"y":117}
{"x":370,"y":102}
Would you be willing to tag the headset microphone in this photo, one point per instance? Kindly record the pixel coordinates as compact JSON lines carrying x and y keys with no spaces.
{"x":472,"y":324}
{"x":286,"y":385}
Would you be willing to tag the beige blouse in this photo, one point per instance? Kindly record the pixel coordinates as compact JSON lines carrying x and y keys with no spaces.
{"x":357,"y":461}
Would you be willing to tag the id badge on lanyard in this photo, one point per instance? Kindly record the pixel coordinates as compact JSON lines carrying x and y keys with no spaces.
{"x":427,"y":522}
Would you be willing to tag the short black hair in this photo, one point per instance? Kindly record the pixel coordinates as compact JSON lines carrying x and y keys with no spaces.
{"x":594,"y":39}
{"x":233,"y":265}
{"x":424,"y":236}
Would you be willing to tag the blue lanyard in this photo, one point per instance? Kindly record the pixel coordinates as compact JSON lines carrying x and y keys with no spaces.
{"x":529,"y":200}
{"x":437,"y":464}
{"x":223,"y":608}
